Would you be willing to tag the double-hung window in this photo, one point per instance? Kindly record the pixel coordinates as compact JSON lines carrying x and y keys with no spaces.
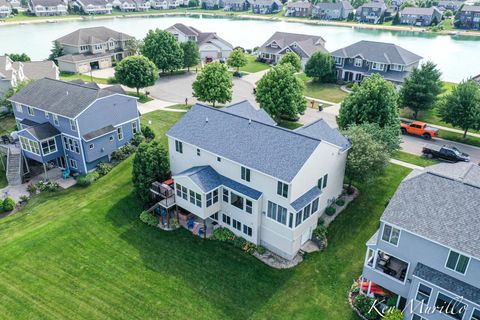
{"x":212,"y":197}
{"x":322,"y":182}
{"x":73,"y":126}
{"x":476,"y":314}
{"x":178,"y":146}
{"x":225,"y":195}
{"x":423,"y":293}
{"x":236,"y":200}
{"x":46,"y":115}
{"x":49,"y":146}
{"x":247,"y":230}
{"x":237,"y":224}
{"x":18,"y":106}
{"x":245,"y":174}
{"x":225,"y":219}
{"x":298,"y":218}
{"x":358,"y":62}
{"x":457,"y":262}
{"x":277,"y":213}
{"x":55,"y":120}
{"x":73,"y":164}
{"x":30,"y":111}
{"x":315,"y":206}
{"x":453,"y":307}
{"x":306,"y":212}
{"x":282,"y":189}
{"x":120,"y":133}
{"x":390,"y":234}
{"x":248,"y":206}
{"x":134,"y":127}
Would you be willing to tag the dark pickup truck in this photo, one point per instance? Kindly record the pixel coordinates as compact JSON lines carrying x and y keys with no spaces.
{"x":447,"y":153}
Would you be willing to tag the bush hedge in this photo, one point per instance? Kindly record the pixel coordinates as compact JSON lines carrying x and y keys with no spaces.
{"x":84,"y":180}
{"x":225,"y":235}
{"x":149,"y":218}
{"x":8,"y":204}
{"x":340,"y":202}
{"x":330,"y":211}
{"x":363,"y":305}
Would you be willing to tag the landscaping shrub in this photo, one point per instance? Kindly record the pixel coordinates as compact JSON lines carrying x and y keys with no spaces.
{"x":321,"y":221}
{"x":8,"y":204}
{"x":340,"y":202}
{"x":330,"y":211}
{"x":24,"y":199}
{"x":149,"y":218}
{"x":393,"y":314}
{"x":85,"y":180}
{"x":223,"y":234}
{"x":261,"y":250}
{"x":320,"y":232}
{"x":32,"y":189}
{"x":363,"y":305}
{"x":103,"y":168}
{"x":49,"y":186}
{"x":123,"y":153}
{"x":238,"y":242}
{"x":137,"y":139}
{"x":249,"y":247}
{"x":148,"y":133}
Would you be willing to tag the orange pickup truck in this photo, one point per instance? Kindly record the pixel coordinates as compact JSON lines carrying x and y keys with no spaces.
{"x":419,"y":128}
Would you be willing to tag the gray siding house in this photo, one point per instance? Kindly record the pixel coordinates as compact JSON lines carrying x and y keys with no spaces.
{"x":266,"y":6}
{"x":365,"y":58}
{"x":92,"y":48}
{"x":332,"y":10}
{"x":452,"y":5}
{"x":42,"y":8}
{"x":371,"y":12}
{"x":5,"y":9}
{"x":426,"y":252}
{"x":282,"y":42}
{"x":237,"y":5}
{"x":299,"y":9}
{"x":94,"y":6}
{"x":72,"y":124}
{"x":420,"y":16}
{"x":468,"y":18}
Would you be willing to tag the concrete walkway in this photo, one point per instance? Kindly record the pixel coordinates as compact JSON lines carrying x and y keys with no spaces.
{"x":406,"y":164}
{"x":156,"y":104}
{"x":254,"y":77}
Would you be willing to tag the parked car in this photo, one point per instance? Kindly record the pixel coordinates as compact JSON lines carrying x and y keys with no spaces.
{"x":447,"y":153}
{"x":419,"y":128}
{"x":208,"y":59}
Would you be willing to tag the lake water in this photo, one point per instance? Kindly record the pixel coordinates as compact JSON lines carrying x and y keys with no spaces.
{"x":457,"y":56}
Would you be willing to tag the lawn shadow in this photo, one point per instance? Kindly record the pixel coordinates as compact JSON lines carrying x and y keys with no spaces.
{"x":237,"y":284}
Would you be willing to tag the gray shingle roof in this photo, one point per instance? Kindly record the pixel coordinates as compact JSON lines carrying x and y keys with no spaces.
{"x":186,"y":30}
{"x":471,"y":8}
{"x":4,"y":3}
{"x":449,"y":283}
{"x":63,"y":98}
{"x":378,"y":52}
{"x":309,"y":43}
{"x":35,"y":70}
{"x":306,"y":198}
{"x":43,"y":131}
{"x":299,"y":4}
{"x":275,"y":151}
{"x":334,"y":5}
{"x":207,"y":179}
{"x":202,"y":37}
{"x":373,"y":4}
{"x":246,"y":110}
{"x":98,"y":133}
{"x":440,"y":203}
{"x":47,"y":3}
{"x":419,"y":11}
{"x":94,"y":35}
{"x":321,"y":130}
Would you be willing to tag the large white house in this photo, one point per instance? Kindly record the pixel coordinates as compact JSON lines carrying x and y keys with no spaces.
{"x":209,"y":43}
{"x":235,"y":168}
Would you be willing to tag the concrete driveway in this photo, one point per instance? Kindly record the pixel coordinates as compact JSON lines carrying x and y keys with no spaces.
{"x":176,"y":88}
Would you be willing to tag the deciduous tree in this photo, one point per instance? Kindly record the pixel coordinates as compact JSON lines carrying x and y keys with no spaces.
{"x":421,"y":89}
{"x":163,"y":49}
{"x":55,"y":52}
{"x":237,"y":59}
{"x":374,"y":101}
{"x":213,"y":84}
{"x":293,"y":59}
{"x":280,"y":93}
{"x":191,"y":56}
{"x":136,"y":72}
{"x":23,"y":57}
{"x":461,"y":108}
{"x":150,"y":164}
{"x":321,"y":67}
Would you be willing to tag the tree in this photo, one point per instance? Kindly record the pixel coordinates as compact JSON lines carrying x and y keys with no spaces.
{"x":213,"y":84}
{"x":148,"y":133}
{"x":321,"y":67}
{"x":10,"y":93}
{"x":351,"y":16}
{"x":375,"y":101}
{"x":367,"y":158}
{"x":163,"y":49}
{"x":149,"y":165}
{"x":191,"y":56}
{"x":358,"y":3}
{"x":55,"y":52}
{"x":448,"y":13}
{"x":461,"y":108}
{"x":396,"y":19}
{"x":408,"y":4}
{"x":421,"y":89}
{"x":237,"y":59}
{"x":388,"y":136}
{"x":293,"y":59}
{"x":23,"y":57}
{"x":134,"y":46}
{"x":434,"y":21}
{"x":381,"y":20}
{"x":136,"y":72}
{"x":280,"y":93}
{"x":193,"y":3}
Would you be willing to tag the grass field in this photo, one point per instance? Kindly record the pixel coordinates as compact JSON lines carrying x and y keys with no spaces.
{"x":414,"y":159}
{"x":253,"y":65}
{"x":324,"y":91}
{"x":142,"y":98}
{"x":84,"y":254}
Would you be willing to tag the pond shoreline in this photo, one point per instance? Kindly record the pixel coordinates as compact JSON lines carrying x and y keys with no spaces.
{"x":194,"y":12}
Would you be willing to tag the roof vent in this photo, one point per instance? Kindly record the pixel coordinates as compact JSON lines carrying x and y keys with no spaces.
{"x":206,"y":120}
{"x":249,"y":121}
{"x":67,"y":93}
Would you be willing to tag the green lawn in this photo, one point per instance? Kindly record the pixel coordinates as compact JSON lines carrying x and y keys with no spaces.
{"x":84,"y":254}
{"x":74,"y":76}
{"x":414,"y":159}
{"x":458,"y":137}
{"x":253,"y":65}
{"x":292,"y":125}
{"x":7,"y":124}
{"x":180,"y":106}
{"x":324,"y":91}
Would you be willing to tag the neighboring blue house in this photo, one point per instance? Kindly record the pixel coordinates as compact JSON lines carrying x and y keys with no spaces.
{"x":266,"y":6}
{"x":426,"y":252}
{"x":73,"y":125}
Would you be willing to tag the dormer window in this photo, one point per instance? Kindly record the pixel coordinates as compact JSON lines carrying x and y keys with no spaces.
{"x":358,"y":62}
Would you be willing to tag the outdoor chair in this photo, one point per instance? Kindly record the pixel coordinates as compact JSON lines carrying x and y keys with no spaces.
{"x":66,"y":174}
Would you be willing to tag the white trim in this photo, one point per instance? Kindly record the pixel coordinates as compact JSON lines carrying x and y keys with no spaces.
{"x":454,"y":299}
{"x":388,"y":276}
{"x":459,"y":254}
{"x":121,"y":124}
{"x":46,"y":140}
{"x":84,"y":160}
{"x":416,"y":292}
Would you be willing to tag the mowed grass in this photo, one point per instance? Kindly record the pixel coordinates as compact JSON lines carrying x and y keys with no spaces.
{"x":7,"y":124}
{"x":75,"y":76}
{"x":253,"y":65}
{"x":84,"y":254}
{"x":3,"y":177}
{"x":414,"y":159}
{"x":325,"y":91}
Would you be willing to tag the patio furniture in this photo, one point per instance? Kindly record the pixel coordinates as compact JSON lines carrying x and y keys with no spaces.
{"x":65,"y":174}
{"x":190,"y":223}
